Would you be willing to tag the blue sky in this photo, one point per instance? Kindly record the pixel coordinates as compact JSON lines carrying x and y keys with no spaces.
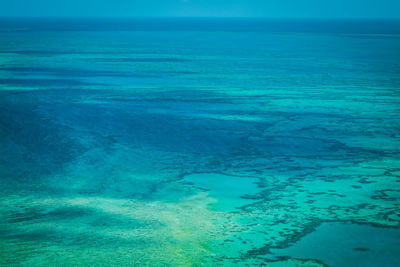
{"x":203,"y":8}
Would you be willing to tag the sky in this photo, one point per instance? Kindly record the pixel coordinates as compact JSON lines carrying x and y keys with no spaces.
{"x":202,"y":8}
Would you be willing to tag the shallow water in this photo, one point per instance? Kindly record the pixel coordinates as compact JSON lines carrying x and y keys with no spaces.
{"x":339,"y":244}
{"x":206,"y":146}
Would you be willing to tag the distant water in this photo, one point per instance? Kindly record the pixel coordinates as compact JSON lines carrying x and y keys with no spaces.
{"x":372,"y":26}
{"x":198,"y":142}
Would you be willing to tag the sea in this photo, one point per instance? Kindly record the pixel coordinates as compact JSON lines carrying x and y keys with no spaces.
{"x":199,"y":142}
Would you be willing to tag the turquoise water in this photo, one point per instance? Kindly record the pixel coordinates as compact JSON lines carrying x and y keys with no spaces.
{"x":197,"y":142}
{"x":363,"y":246}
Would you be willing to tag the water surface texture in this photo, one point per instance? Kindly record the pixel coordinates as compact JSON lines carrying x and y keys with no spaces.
{"x":199,"y":142}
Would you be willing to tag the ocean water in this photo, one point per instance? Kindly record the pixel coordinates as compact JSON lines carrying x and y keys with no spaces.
{"x":199,"y":142}
{"x":364,"y":245}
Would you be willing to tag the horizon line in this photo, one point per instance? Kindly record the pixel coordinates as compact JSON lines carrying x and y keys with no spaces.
{"x":200,"y":17}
